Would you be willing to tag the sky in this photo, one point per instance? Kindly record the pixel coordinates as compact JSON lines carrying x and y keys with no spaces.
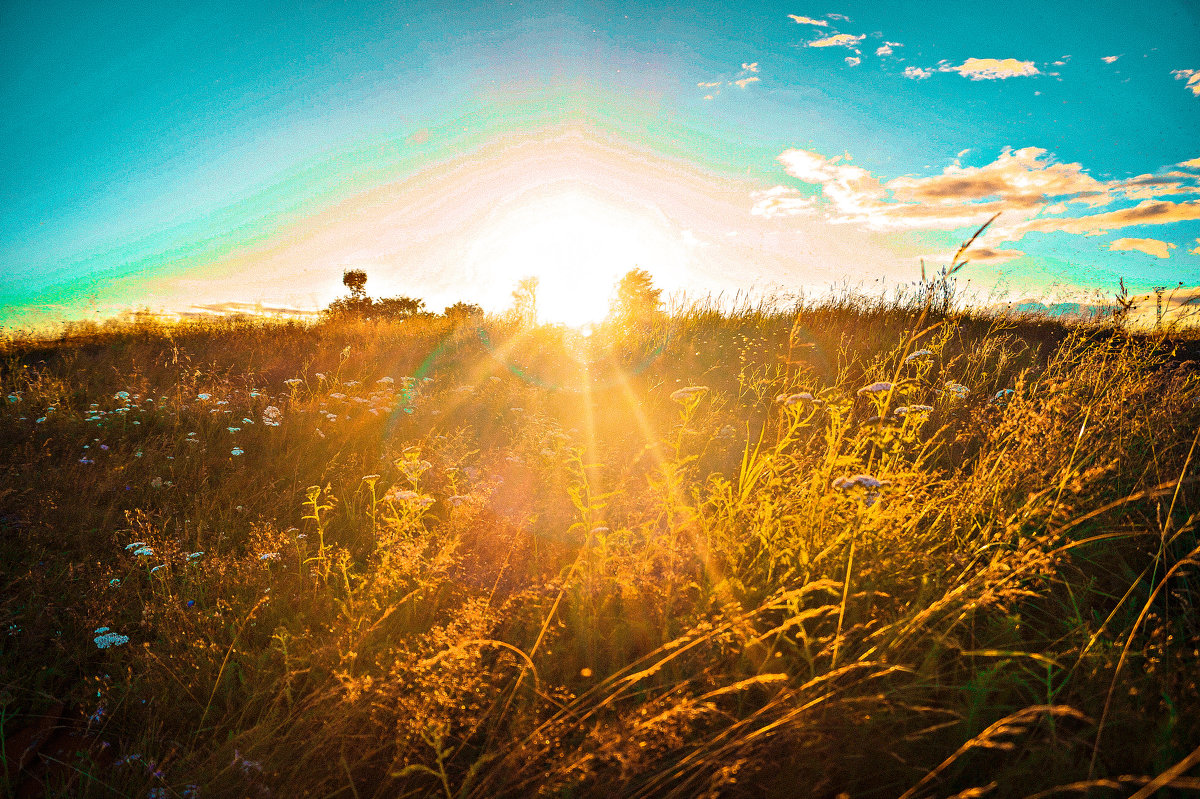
{"x":169,"y":156}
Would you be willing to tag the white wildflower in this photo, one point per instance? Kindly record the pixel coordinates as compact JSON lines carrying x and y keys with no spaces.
{"x":106,"y":638}
{"x":685,"y":395}
{"x":875,"y":388}
{"x":272,"y":416}
{"x":918,"y":355}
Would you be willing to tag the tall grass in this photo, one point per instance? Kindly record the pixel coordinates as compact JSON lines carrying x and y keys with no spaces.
{"x":852,"y":547}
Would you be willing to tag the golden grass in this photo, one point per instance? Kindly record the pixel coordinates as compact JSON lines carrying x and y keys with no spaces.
{"x":875,"y":551}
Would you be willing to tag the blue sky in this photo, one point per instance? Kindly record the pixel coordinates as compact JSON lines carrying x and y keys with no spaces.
{"x":181,"y":154}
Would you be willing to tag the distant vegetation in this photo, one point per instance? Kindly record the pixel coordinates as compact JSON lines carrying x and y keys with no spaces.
{"x":856,"y":547}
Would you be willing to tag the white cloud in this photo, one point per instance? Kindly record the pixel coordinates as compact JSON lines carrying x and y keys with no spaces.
{"x":1160,"y":249}
{"x":808,"y":20}
{"x":1196,"y":251}
{"x":1024,"y":184}
{"x":838,"y":40}
{"x":917,"y":73}
{"x":744,"y":82}
{"x":991,"y":68}
{"x":709,"y":85}
{"x":853,"y":60}
{"x":1193,"y":163}
{"x":839,"y":17}
{"x":1109,"y":59}
{"x":1192,"y":76}
{"x":886,"y":48}
{"x":780,"y":201}
{"x":750,"y":67}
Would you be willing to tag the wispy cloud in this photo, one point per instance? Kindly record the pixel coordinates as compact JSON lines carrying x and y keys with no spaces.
{"x":917,"y":73}
{"x":1024,"y":184}
{"x":886,"y":48}
{"x":744,"y":82}
{"x":808,"y":20}
{"x":1192,"y":76}
{"x":1147,"y":212}
{"x":1193,"y":163}
{"x":753,"y":67}
{"x":838,"y":40}
{"x":1109,"y":59}
{"x":853,"y":60}
{"x":1160,"y":249}
{"x":839,"y":17}
{"x":991,"y":68}
{"x":780,"y":201}
{"x":1196,"y":249}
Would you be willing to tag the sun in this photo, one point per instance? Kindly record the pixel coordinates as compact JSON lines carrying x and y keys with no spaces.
{"x":578,"y":246}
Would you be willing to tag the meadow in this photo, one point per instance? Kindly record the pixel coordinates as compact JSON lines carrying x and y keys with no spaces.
{"x":848,"y":548}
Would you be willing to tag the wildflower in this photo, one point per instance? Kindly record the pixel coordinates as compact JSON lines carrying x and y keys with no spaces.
{"x":875,"y":388}
{"x":272,"y":416}
{"x":236,"y":451}
{"x":234,"y":429}
{"x":792,"y":399}
{"x":456,"y":500}
{"x":114,"y":582}
{"x":86,"y":461}
{"x":350,"y":383}
{"x":40,"y":419}
{"x":247,"y":420}
{"x":918,"y":355}
{"x":337,"y":395}
{"x":293,"y":381}
{"x":248,"y":765}
{"x":157,"y":482}
{"x":137,"y":454}
{"x":96,"y":717}
{"x":123,"y":396}
{"x":203,"y":397}
{"x":1002,"y":395}
{"x":143,"y":552}
{"x":370,"y":478}
{"x":414,"y":469}
{"x":13,"y":399}
{"x":158,"y":568}
{"x":269,"y":556}
{"x":106,"y":638}
{"x":403,"y":495}
{"x":727,"y":432}
{"x":320,"y":375}
{"x":600,"y":530}
{"x":864,"y":480}
{"x":905,"y":410}
{"x":319,"y":433}
{"x":685,"y":395}
{"x":386,"y":381}
{"x":135,"y":545}
{"x":193,"y":556}
{"x":957,"y":389}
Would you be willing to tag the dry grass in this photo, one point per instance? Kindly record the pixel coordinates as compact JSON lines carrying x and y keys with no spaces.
{"x":530,"y":565}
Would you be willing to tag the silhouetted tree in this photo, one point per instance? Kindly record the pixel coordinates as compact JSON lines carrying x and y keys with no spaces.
{"x":396,"y":308}
{"x":356,"y":281}
{"x":636,"y":295}
{"x":525,"y":301}
{"x":462,"y":311}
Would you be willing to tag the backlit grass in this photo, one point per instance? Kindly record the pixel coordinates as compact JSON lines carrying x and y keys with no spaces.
{"x":843,"y":548}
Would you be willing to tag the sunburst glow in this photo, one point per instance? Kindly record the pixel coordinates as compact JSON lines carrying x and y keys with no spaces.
{"x":577,"y":245}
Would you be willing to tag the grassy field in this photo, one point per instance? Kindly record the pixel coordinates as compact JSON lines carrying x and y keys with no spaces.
{"x":846,"y":549}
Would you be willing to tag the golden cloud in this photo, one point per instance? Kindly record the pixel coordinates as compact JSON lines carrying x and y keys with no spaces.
{"x":992,"y":68}
{"x":1161,"y":249}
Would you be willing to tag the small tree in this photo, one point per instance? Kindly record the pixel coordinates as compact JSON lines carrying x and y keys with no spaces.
{"x":396,"y":307}
{"x":356,"y":281}
{"x":636,"y":295}
{"x":462,"y":311}
{"x":525,"y":301}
